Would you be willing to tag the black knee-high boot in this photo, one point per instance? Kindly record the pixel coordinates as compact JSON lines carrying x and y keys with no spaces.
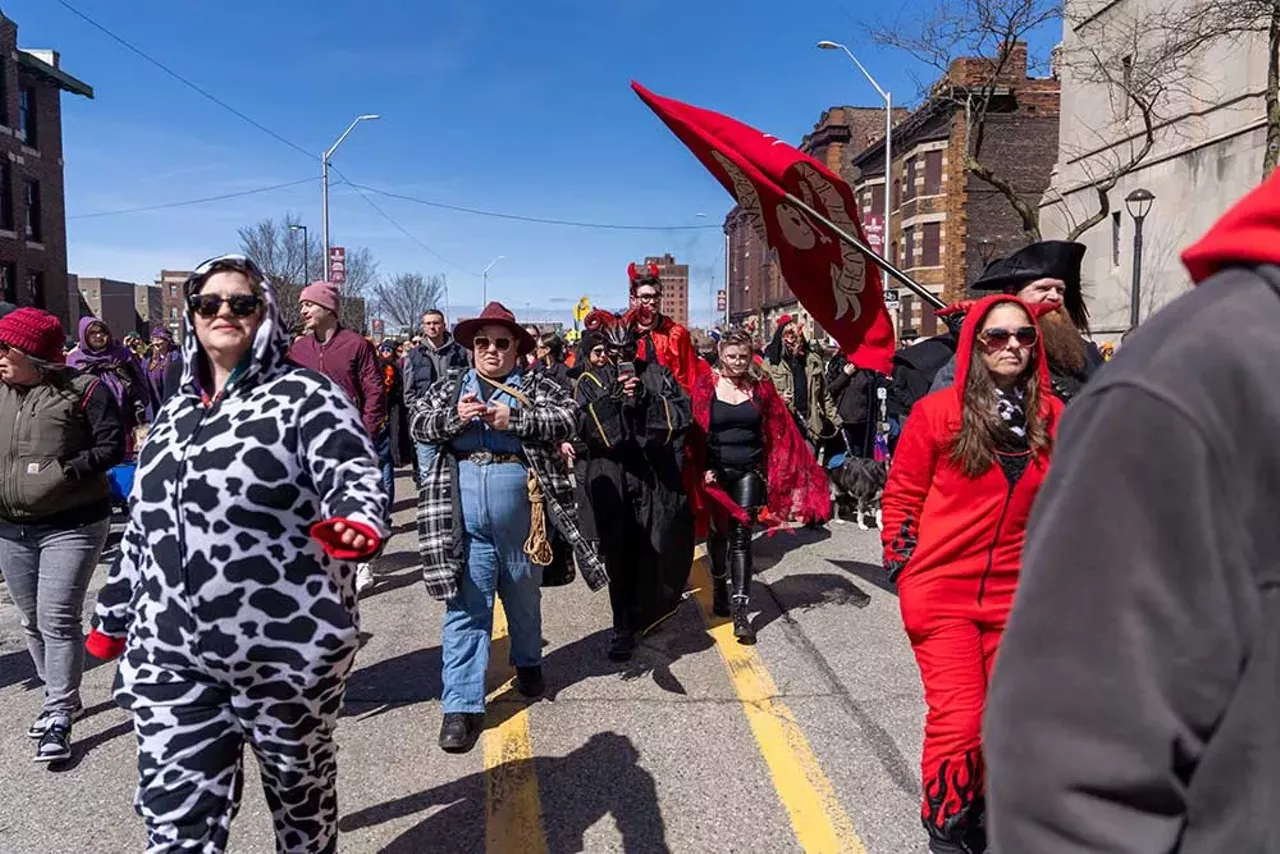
{"x":718,"y":551}
{"x":740,"y":574}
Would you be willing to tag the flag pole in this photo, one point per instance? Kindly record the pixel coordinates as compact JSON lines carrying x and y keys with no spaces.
{"x":914,"y":286}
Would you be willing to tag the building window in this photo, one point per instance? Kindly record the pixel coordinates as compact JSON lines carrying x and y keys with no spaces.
{"x":34,"y":231}
{"x":933,"y":173}
{"x":931,"y":237}
{"x":27,"y":116}
{"x":35,"y":288}
{"x":1126,"y":77}
{"x":897,"y":194}
{"x":893,"y":253}
{"x":9,"y":282}
{"x":909,"y":187}
{"x":173,"y":313}
{"x":1115,"y":238}
{"x":6,"y":196}
{"x":877,"y":199}
{"x":909,"y":247}
{"x":4,"y":91}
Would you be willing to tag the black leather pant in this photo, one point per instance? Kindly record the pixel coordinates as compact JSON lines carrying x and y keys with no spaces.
{"x":731,"y":549}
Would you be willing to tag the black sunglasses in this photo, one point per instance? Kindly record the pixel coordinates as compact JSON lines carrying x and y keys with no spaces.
{"x":208,"y":305}
{"x":996,"y":337}
{"x":480,"y":342}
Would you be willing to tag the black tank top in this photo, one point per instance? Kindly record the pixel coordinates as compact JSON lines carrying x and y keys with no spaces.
{"x":734,"y":436}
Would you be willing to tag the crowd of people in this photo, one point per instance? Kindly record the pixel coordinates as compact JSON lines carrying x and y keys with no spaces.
{"x":1133,"y":682}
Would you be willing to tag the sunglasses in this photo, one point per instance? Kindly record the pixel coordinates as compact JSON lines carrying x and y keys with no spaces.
{"x":995,"y":338}
{"x":597,"y":351}
{"x":647,"y":297}
{"x":208,"y":305}
{"x":502,"y":345}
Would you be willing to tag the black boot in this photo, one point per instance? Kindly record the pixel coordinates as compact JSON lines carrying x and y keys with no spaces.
{"x":718,"y":550}
{"x":529,"y":681}
{"x":622,"y":645}
{"x":459,"y":731}
{"x":740,"y":573}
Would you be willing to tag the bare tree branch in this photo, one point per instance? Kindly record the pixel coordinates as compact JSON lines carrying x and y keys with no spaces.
{"x":403,"y":298}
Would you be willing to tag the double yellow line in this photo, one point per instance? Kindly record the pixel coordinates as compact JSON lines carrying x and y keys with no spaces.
{"x":513,"y":809}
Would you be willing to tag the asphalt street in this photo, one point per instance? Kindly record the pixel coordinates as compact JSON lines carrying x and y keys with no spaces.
{"x":808,"y":741}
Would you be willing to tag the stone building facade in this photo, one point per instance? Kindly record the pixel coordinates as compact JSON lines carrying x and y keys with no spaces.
{"x":1209,"y":139}
{"x":33,"y":228}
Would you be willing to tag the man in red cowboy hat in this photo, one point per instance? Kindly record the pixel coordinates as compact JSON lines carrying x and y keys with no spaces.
{"x":662,"y":339}
{"x":1133,"y":707}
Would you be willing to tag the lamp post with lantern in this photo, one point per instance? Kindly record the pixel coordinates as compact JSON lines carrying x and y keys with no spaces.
{"x":1139,"y":205}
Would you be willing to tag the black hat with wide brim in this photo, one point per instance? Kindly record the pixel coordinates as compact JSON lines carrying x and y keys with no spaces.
{"x":495,"y":313}
{"x":1048,"y":259}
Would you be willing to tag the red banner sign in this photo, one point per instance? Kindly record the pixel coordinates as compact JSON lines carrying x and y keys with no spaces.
{"x":720,"y":300}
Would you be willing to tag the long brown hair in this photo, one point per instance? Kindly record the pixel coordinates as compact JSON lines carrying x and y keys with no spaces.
{"x":982,"y":430}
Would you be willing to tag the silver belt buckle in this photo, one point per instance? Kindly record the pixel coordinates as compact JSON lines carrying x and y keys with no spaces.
{"x":481,"y":458}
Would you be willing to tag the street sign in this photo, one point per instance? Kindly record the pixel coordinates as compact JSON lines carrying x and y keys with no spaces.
{"x":582,"y":309}
{"x":873,"y":226}
{"x":891,"y":299}
{"x":721,"y":296}
{"x":378,"y":327}
{"x":338,"y":265}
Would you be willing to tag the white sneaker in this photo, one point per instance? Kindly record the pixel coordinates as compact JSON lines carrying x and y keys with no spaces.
{"x":364,"y":578}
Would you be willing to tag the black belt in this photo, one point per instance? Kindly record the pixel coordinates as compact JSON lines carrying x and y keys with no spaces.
{"x":488,"y":458}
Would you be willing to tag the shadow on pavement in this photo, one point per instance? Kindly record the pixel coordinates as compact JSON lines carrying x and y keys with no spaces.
{"x":807,"y":591}
{"x":80,"y":748}
{"x":16,"y":668}
{"x":770,"y":548}
{"x":601,"y":778}
{"x":868,"y":572}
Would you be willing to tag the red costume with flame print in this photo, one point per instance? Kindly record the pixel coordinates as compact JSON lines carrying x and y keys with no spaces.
{"x":953,"y":543}
{"x":668,"y":343}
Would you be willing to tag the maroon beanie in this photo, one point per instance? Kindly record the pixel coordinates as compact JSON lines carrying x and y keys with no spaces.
{"x":322,"y":294}
{"x":37,"y":333}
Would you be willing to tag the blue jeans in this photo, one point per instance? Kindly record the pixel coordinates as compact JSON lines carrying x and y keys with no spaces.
{"x":426,"y":456}
{"x":495,"y":512}
{"x":382,"y":446}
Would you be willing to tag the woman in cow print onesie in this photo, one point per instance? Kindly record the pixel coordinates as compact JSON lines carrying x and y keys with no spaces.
{"x":233,"y":598}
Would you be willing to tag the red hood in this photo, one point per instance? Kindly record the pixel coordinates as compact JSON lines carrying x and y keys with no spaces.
{"x":1249,"y":233}
{"x":969,"y":334}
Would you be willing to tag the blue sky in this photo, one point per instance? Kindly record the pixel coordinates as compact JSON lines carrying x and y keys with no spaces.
{"x":509,"y":106}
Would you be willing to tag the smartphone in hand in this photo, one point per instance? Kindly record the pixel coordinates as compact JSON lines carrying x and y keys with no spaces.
{"x":626,"y":371}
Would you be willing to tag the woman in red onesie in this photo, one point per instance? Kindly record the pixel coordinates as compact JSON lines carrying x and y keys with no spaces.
{"x":968,"y":466}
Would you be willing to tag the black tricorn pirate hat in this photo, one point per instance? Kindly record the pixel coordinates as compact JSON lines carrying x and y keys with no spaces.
{"x":1048,"y":259}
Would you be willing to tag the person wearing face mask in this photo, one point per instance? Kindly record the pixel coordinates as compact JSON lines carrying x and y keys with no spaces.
{"x":494,"y":489}
{"x":233,"y":601}
{"x":61,"y":431}
{"x":799,"y":373}
{"x":632,"y":500}
{"x":970,"y":462}
{"x":746,"y":455}
{"x":1046,"y":273}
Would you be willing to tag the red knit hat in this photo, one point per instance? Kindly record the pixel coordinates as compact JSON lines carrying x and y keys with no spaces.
{"x":37,"y":333}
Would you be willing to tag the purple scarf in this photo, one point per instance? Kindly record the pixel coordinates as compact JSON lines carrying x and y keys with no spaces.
{"x":158,"y":366}
{"x":118,"y":369}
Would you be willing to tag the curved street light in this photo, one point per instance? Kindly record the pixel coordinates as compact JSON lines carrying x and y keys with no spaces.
{"x":324,"y":182}
{"x":484,"y":294}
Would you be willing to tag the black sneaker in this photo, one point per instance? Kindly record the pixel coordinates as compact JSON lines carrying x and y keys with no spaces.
{"x":37,"y":728}
{"x":55,"y":743}
{"x":622,"y":646}
{"x":529,"y":681}
{"x":459,"y":731}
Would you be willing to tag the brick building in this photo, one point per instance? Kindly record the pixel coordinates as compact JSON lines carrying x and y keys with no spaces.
{"x":113,"y":302}
{"x":675,"y":286}
{"x":755,"y":284}
{"x":33,"y":228}
{"x":947,"y":223}
{"x":148,"y":301}
{"x":171,"y":302}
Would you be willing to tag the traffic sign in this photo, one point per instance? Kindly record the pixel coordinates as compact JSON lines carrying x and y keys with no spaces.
{"x":582,"y":309}
{"x":338,"y":265}
{"x":891,"y":299}
{"x":721,"y":296}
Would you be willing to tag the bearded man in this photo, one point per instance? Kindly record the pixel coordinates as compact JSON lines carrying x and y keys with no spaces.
{"x":1047,"y":272}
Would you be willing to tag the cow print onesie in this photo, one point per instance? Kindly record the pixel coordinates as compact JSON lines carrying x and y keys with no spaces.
{"x":240,"y":627}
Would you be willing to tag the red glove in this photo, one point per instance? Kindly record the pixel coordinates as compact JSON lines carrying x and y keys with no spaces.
{"x":331,"y":540}
{"x":103,"y":647}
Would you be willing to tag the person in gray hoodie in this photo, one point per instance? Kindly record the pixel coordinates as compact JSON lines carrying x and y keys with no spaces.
{"x":1134,"y":704}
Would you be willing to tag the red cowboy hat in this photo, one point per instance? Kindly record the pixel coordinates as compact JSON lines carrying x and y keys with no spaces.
{"x":495,"y":313}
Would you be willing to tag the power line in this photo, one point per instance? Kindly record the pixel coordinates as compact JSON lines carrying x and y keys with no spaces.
{"x":187,"y":202}
{"x":534,"y":219}
{"x":176,"y":76}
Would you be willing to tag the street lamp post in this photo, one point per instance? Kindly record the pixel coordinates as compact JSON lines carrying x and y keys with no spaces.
{"x":888,"y":139}
{"x":484,"y":294}
{"x":306,"y":249}
{"x":324,"y":182}
{"x":1139,"y":204}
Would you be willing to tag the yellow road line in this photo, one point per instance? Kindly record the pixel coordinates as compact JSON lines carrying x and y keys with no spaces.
{"x":820,"y":823}
{"x":513,"y":810}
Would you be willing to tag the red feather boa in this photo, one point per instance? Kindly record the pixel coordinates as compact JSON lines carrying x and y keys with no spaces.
{"x":797,"y":486}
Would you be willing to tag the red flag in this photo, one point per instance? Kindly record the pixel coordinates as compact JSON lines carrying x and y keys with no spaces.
{"x":836,"y":282}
